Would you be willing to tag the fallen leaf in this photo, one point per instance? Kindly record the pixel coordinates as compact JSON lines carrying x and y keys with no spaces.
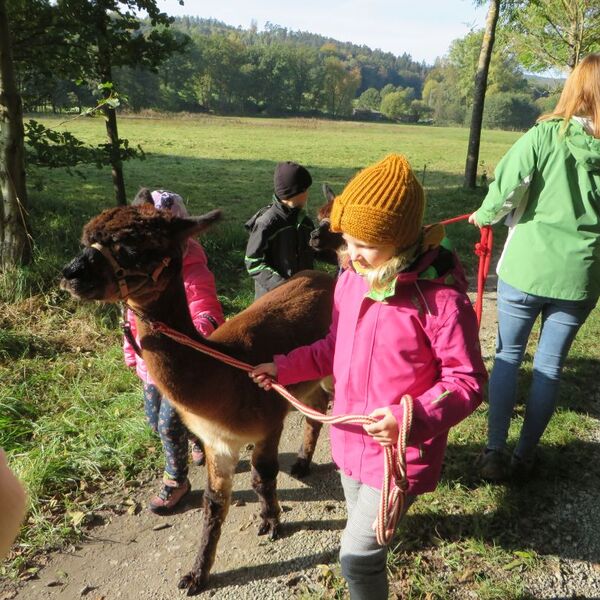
{"x":513,"y":564}
{"x":325,"y":571}
{"x":76,"y":517}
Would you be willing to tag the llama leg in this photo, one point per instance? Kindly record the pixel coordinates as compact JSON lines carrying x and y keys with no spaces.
{"x":301,"y":466}
{"x":318,"y":399}
{"x":265,"y":466}
{"x":217,"y":495}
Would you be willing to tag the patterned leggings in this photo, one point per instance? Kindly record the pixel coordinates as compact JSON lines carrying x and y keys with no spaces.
{"x":165,"y":421}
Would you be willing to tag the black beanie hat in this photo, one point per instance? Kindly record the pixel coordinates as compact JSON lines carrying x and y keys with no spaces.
{"x":290,"y":179}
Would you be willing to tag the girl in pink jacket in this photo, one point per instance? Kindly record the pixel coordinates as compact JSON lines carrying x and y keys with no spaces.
{"x":402,"y":325}
{"x":207,"y":315}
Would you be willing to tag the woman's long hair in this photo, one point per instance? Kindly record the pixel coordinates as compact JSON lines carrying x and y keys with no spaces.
{"x":581,"y":95}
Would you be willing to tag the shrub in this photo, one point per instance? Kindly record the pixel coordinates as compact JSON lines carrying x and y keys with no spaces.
{"x":509,"y":111}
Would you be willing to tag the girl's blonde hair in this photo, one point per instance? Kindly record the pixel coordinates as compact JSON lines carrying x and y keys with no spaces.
{"x":381,"y":277}
{"x":581,"y":95}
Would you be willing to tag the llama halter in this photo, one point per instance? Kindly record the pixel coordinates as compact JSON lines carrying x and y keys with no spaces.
{"x":121,"y":274}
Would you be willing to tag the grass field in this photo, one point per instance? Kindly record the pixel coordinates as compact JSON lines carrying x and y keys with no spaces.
{"x":70,"y":413}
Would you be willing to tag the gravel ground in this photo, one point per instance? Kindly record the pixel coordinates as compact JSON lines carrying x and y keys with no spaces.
{"x":573,"y":569}
{"x":128,"y":558}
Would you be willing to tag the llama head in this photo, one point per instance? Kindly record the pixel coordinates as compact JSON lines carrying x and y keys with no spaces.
{"x":322,"y":238}
{"x":131,"y":252}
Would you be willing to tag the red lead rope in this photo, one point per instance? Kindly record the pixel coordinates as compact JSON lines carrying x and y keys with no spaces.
{"x":395,"y":481}
{"x":483,"y":249}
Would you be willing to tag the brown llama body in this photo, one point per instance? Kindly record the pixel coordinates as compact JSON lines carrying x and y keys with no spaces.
{"x":218,"y":403}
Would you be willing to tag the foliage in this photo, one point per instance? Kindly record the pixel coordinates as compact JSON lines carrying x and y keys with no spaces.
{"x":388,"y":88}
{"x":449,"y":85}
{"x":552,"y":33}
{"x":505,"y":110}
{"x":370,"y":99}
{"x":548,"y":103}
{"x":221,"y":69}
{"x":420,"y":111}
{"x":396,"y":105}
{"x":47,"y":147}
{"x":339,"y":86}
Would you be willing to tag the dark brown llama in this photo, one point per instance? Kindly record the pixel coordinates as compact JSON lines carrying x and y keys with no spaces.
{"x":323,"y":241}
{"x":137,"y":252}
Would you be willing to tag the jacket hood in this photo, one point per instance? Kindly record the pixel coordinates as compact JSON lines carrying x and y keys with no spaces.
{"x":438,"y":265}
{"x":584,"y":147}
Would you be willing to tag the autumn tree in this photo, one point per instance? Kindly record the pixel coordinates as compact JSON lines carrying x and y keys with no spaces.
{"x":109,"y":34}
{"x":339,"y":85}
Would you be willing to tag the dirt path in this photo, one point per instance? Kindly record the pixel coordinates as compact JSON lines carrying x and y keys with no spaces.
{"x":129,"y":556}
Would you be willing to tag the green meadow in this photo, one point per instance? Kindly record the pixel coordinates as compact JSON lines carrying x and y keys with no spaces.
{"x":70,"y":414}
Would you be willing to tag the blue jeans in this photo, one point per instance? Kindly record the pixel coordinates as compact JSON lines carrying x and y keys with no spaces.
{"x":517,"y":311}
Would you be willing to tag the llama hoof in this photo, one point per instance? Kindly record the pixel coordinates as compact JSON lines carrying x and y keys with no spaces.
{"x":270,"y":528}
{"x":192,"y":583}
{"x":300,"y":468}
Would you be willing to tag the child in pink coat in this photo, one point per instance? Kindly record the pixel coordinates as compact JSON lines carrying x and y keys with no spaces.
{"x":207,"y":315}
{"x":402,"y":325}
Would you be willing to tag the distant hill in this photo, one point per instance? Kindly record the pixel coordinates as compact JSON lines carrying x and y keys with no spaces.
{"x":377,"y":67}
{"x":548,"y":82}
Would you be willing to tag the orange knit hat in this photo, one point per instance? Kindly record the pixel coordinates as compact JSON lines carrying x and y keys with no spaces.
{"x":382,"y":204}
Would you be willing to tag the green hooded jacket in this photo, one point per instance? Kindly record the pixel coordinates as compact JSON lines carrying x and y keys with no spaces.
{"x":548,"y":184}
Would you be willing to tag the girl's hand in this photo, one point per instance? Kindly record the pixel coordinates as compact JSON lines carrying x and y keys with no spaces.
{"x":473,"y":220}
{"x":264,"y":374}
{"x":385,"y":431}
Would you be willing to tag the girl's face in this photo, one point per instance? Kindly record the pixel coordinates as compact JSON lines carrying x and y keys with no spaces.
{"x":368,"y":256}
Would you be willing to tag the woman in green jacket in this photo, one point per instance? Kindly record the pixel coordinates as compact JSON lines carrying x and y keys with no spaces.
{"x":549,"y":186}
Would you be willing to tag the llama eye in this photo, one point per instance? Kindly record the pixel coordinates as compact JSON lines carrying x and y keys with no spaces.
{"x":126,"y":257}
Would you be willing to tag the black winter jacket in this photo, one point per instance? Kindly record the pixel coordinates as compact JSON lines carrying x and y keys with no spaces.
{"x":278,"y":244}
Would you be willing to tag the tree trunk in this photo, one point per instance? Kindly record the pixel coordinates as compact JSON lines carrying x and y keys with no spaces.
{"x":115,"y":160}
{"x":15,"y":241}
{"x":575,"y":34}
{"x":105,"y":71}
{"x":481,"y":77}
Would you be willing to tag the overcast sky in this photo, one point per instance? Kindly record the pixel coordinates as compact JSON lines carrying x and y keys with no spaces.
{"x":422,"y":28}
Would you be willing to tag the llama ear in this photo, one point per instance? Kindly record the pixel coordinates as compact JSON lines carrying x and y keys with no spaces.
{"x":193,"y":226}
{"x":144,"y":196}
{"x":328,"y":193}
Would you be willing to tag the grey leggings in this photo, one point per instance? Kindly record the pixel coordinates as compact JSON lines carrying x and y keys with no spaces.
{"x":362,"y":559}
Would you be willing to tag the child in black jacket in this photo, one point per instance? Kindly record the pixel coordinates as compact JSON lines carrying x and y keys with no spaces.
{"x":278,"y":246}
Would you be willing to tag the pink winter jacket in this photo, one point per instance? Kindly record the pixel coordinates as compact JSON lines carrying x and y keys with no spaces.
{"x":201,"y":294}
{"x":422,"y":341}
